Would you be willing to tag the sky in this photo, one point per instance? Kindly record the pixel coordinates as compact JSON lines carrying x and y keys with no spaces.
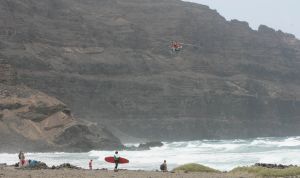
{"x":281,"y":15}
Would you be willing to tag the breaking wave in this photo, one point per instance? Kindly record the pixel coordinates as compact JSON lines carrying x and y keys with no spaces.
{"x":220,"y":154}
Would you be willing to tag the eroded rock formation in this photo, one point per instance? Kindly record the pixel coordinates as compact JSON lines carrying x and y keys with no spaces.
{"x":33,"y":121}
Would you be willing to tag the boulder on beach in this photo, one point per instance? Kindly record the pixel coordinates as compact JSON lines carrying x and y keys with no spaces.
{"x":65,"y":166}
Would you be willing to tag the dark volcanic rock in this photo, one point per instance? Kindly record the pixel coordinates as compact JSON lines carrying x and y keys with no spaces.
{"x":109,"y":61}
{"x":90,"y":138}
{"x":144,"y":146}
{"x":65,"y":166}
{"x":148,"y":145}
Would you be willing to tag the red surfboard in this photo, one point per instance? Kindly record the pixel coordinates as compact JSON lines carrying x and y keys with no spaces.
{"x":111,"y":159}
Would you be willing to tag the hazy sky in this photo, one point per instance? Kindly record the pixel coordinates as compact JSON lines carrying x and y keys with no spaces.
{"x":278,"y":14}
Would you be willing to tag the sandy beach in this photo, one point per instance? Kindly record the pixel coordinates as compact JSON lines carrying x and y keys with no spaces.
{"x":10,"y":172}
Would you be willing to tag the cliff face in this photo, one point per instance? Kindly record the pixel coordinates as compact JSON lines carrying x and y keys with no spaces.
{"x":31,"y":120}
{"x":109,"y":61}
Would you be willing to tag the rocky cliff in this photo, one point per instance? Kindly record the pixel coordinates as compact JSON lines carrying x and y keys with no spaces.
{"x":109,"y":60}
{"x":32,"y":121}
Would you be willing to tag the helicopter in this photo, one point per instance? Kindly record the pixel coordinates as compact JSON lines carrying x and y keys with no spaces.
{"x":176,"y":46}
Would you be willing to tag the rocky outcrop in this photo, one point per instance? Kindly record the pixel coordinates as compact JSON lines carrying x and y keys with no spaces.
{"x":32,"y":121}
{"x":148,"y":145}
{"x":109,"y":61}
{"x":144,"y":146}
{"x":66,"y":166}
{"x":38,"y":165}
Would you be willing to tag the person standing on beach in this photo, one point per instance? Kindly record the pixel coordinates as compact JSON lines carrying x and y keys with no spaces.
{"x":116,"y":158}
{"x":21,"y":158}
{"x":91,"y":164}
{"x":163,"y":166}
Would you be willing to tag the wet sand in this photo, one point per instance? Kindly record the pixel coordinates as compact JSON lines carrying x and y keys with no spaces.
{"x":10,"y":172}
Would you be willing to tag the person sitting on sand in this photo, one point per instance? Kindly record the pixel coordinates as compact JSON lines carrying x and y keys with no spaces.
{"x":21,"y":158}
{"x":163,"y":166}
{"x":116,"y":158}
{"x":91,"y":164}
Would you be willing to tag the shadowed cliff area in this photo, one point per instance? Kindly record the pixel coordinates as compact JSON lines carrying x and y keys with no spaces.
{"x":110,"y":62}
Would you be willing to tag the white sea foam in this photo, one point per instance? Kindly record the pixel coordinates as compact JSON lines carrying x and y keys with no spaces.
{"x":219,"y":154}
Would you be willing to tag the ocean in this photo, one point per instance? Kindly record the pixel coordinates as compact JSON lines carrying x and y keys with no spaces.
{"x":223,"y":155}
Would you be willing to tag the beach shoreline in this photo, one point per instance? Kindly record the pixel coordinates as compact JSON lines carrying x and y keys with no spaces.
{"x":9,"y":172}
{"x":185,"y":171}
